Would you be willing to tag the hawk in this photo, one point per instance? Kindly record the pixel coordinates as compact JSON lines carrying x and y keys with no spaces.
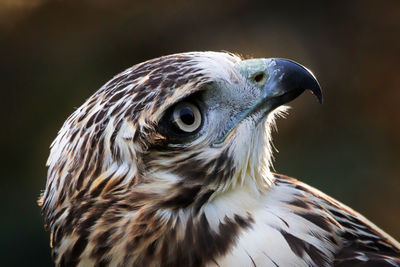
{"x":168,"y":164}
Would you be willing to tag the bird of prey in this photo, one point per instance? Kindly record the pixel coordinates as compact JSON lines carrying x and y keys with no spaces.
{"x":169,"y":164}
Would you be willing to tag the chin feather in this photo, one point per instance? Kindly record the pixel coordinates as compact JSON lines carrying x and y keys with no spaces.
{"x":270,"y":125}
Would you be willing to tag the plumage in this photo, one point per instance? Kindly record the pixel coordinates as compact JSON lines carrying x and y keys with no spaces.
{"x":168,"y":164}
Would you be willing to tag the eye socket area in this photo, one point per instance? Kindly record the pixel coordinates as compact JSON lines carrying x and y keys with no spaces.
{"x":181,"y":122}
{"x":186,"y":117}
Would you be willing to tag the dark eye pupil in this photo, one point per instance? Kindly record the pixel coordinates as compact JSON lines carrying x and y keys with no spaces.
{"x":187,"y":116}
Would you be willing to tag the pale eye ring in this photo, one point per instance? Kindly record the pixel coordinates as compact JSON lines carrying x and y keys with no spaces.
{"x":187,"y":117}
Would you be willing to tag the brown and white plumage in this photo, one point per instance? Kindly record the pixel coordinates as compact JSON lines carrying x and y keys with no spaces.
{"x":131,"y":183}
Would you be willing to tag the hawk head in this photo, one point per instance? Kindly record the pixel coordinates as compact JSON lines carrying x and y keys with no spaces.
{"x":160,"y":144}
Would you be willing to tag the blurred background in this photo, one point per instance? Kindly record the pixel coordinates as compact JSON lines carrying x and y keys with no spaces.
{"x":55,"y":54}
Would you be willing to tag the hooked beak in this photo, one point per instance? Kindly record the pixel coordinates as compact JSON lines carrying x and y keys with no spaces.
{"x":286,"y":81}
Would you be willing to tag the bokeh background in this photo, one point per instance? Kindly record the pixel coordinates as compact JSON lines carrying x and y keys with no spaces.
{"x":55,"y":54}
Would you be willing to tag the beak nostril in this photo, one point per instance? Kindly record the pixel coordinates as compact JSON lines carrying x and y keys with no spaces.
{"x":259,"y":77}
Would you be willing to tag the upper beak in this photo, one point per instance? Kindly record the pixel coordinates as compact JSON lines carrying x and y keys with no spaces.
{"x":286,"y":81}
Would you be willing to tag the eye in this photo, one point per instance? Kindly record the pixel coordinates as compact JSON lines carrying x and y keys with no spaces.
{"x":182,"y":122}
{"x":186,"y":117}
{"x":259,"y":77}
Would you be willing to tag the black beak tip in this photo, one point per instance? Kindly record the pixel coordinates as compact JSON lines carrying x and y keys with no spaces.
{"x":311,"y":83}
{"x":316,"y":90}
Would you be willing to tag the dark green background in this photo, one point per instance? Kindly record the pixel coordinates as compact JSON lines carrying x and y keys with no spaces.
{"x":55,"y":54}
